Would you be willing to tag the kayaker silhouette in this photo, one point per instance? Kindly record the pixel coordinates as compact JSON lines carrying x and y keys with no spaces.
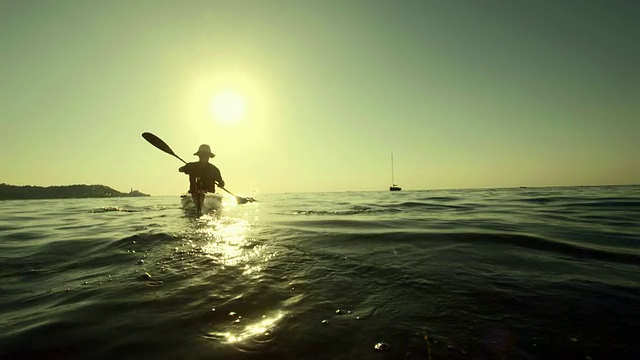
{"x":203,"y":176}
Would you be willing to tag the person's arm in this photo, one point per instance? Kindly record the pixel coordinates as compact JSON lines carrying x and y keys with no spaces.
{"x":219,"y":180}
{"x":186,"y":168}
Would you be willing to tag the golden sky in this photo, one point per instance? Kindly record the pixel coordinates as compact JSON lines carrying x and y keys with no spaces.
{"x":314,"y":96}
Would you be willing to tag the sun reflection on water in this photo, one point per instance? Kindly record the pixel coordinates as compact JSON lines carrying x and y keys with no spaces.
{"x":259,"y":329}
{"x":235,"y":254}
{"x":225,"y":239}
{"x":227,"y":242}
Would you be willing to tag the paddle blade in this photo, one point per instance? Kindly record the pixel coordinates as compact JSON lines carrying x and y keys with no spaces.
{"x":157,"y":142}
{"x":241,"y":200}
{"x":244,"y":200}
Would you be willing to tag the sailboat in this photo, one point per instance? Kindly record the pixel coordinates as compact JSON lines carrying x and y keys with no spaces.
{"x":394,"y":186}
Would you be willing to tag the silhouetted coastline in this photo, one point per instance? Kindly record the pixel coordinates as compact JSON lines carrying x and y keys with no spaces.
{"x":13,"y":192}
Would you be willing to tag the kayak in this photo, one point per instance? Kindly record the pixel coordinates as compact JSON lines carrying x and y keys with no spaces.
{"x":201,"y":203}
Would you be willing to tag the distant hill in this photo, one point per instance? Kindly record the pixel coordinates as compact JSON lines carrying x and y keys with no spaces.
{"x":12,"y":192}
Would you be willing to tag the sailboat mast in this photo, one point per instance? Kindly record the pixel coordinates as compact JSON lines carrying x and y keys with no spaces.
{"x":393,"y":180}
{"x":393,"y":186}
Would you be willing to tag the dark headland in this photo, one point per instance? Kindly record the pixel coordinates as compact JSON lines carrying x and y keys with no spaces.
{"x":12,"y":192}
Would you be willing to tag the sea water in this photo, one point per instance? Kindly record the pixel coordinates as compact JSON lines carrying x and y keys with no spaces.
{"x":524,"y":273}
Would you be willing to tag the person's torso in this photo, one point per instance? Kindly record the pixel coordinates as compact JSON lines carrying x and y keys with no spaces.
{"x":206,"y":172}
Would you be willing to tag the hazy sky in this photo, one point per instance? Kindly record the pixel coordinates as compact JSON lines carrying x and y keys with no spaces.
{"x":464,"y":93}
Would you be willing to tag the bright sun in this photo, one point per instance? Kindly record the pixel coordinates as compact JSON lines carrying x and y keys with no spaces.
{"x":228,"y":106}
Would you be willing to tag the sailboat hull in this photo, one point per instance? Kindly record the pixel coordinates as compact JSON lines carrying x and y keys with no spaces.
{"x":395,"y":188}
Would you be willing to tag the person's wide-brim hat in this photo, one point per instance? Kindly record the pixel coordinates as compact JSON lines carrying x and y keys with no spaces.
{"x":205,"y":150}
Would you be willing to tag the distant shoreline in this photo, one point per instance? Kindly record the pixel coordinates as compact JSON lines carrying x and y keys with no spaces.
{"x":28,"y":192}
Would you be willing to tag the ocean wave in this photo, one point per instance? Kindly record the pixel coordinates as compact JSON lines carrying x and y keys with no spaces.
{"x":579,"y":251}
{"x":439,"y":198}
{"x":418,"y":205}
{"x":610,"y":204}
{"x":345,"y":212}
{"x":413,"y":206}
{"x":539,"y":200}
{"x":114,"y":209}
{"x":476,"y":239}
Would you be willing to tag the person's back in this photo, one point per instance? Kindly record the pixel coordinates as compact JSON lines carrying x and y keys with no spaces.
{"x":203,"y":176}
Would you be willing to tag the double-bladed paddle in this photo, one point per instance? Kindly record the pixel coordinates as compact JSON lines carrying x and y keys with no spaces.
{"x":157,"y":142}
